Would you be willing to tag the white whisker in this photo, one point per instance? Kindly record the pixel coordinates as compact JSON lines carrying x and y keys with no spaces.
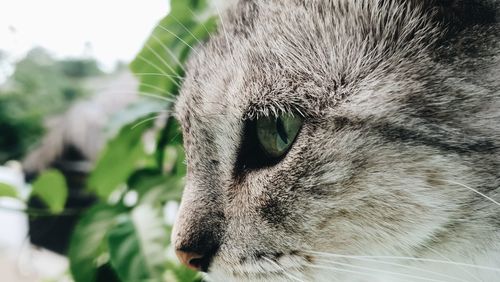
{"x":170,"y":53}
{"x":180,"y":39}
{"x":162,"y":98}
{"x":187,"y":29}
{"x":413,"y":259}
{"x":170,"y":68}
{"x":341,"y":270}
{"x":157,"y":97}
{"x":282,"y":269}
{"x":447,"y":259}
{"x":160,"y":90}
{"x":204,"y":27}
{"x":140,"y":57}
{"x":472,"y":189}
{"x":157,"y":74}
{"x":410,"y":268}
{"x":144,"y":121}
{"x":383,"y":271}
{"x":194,"y":17}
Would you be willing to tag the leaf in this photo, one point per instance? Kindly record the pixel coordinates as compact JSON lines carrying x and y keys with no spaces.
{"x":7,"y":191}
{"x":134,"y":112}
{"x":160,"y":188}
{"x":88,"y":244}
{"x":159,"y":64}
{"x":121,"y":157}
{"x":51,"y":188}
{"x":156,"y":186}
{"x":137,"y":246}
{"x":171,"y":134}
{"x":182,"y":274}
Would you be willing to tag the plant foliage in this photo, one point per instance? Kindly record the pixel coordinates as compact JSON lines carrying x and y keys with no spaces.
{"x":126,"y":230}
{"x":40,"y":86}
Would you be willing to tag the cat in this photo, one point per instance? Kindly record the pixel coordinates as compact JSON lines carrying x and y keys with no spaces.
{"x":344,"y":140}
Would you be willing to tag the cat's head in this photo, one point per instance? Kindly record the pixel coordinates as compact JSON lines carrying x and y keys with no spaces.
{"x":319,"y":126}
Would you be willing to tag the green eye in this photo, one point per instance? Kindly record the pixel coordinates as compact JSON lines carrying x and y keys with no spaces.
{"x":276,"y":134}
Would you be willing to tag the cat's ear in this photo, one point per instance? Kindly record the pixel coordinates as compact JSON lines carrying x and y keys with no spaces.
{"x":458,"y":14}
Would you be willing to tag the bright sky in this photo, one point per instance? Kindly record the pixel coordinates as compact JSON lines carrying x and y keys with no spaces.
{"x":115,"y":29}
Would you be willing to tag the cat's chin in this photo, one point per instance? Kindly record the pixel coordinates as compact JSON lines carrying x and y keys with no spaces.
{"x":289,"y":275}
{"x":285,"y":268}
{"x":306,"y":274}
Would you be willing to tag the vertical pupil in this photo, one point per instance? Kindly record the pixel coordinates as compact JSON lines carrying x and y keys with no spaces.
{"x":280,"y":127}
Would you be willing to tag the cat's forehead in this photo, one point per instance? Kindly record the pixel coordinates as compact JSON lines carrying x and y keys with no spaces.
{"x":242,"y":69}
{"x":263,"y":60}
{"x":250,"y":82}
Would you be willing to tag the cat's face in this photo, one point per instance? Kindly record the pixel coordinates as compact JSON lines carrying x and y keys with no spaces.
{"x":366,"y":174}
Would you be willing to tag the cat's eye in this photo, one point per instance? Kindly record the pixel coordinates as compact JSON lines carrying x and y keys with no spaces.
{"x":276,"y":134}
{"x":266,"y":140}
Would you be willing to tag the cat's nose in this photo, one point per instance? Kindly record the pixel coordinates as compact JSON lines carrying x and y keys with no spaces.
{"x":196,"y":252}
{"x":194,"y":261}
{"x":197,"y":232}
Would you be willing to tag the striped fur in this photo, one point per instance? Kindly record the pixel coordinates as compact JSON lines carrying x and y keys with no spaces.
{"x":399,"y":149}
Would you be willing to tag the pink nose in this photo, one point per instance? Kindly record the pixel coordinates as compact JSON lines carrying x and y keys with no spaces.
{"x":192,"y":260}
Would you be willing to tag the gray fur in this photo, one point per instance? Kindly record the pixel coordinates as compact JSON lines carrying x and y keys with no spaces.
{"x":400,"y":100}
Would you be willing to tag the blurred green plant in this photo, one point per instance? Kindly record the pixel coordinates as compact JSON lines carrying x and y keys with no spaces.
{"x":51,"y":188}
{"x":126,"y":231}
{"x":124,"y":236}
{"x":40,"y":86}
{"x":7,"y":191}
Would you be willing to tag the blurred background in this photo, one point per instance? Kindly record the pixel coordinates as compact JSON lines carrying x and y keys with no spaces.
{"x":91,"y":163}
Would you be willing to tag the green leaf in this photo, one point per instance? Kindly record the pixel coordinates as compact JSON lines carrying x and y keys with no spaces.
{"x":159,"y":189}
{"x":137,"y":246}
{"x":123,"y":154}
{"x":159,"y":65}
{"x":156,"y":186}
{"x":134,"y":112}
{"x":7,"y":191}
{"x":88,"y":245}
{"x":171,"y":134}
{"x":51,"y":188}
{"x":177,"y":273}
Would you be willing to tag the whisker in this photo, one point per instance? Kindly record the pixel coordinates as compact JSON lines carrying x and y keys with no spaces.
{"x":472,"y":189}
{"x":160,"y":90}
{"x":157,"y":97}
{"x":142,"y":94}
{"x":282,"y":269}
{"x":167,"y":64}
{"x":112,"y":89}
{"x":204,"y":27}
{"x":170,"y":53}
{"x":447,"y":259}
{"x":195,"y":84}
{"x":187,"y":29}
{"x":410,"y":267}
{"x":412,"y":259}
{"x":341,"y":270}
{"x":158,"y":74}
{"x":144,"y":121}
{"x":180,"y":39}
{"x":140,"y":57}
{"x":383,"y":271}
{"x":195,"y":16}
{"x":164,"y":63}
